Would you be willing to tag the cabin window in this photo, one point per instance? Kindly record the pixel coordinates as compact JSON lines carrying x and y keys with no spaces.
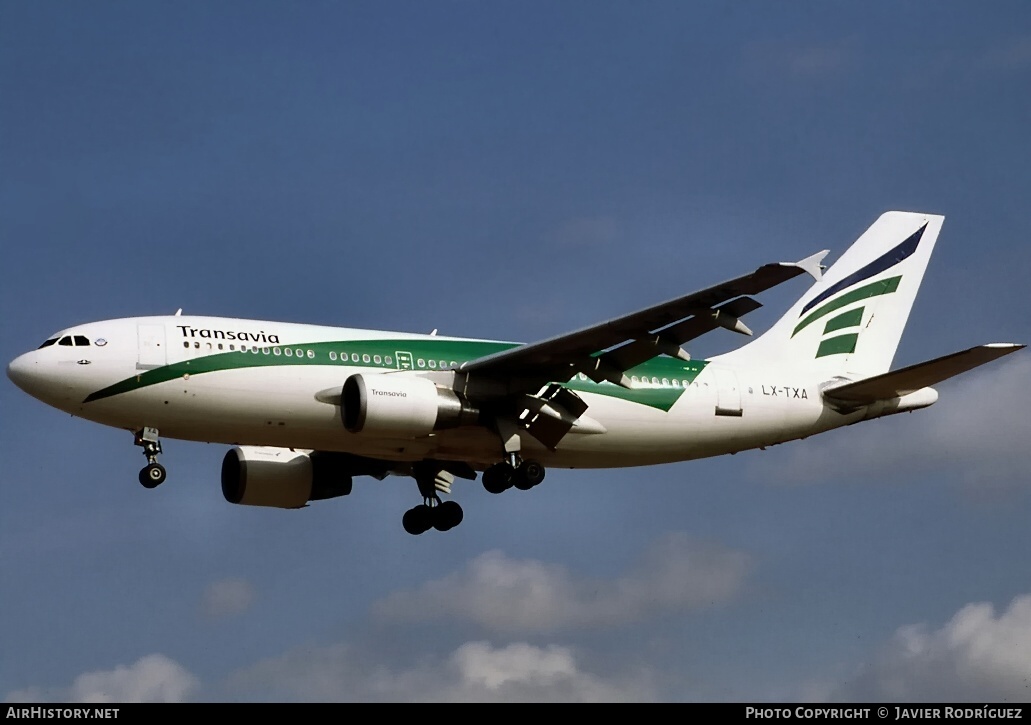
{"x":433,"y":364}
{"x":196,"y":345}
{"x":665,"y":381}
{"x":422,"y":363}
{"x":388,"y":360}
{"x":354,"y":357}
{"x":366,"y":358}
{"x":311,"y":354}
{"x":276,"y":351}
{"x":633,"y":379}
{"x":377,"y":359}
{"x":288,"y":352}
{"x":186,"y":344}
{"x":443,"y":364}
{"x":332,"y":355}
{"x":454,"y":364}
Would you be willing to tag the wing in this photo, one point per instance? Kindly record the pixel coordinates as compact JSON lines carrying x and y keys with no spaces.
{"x":521,"y":387}
{"x":606,"y":350}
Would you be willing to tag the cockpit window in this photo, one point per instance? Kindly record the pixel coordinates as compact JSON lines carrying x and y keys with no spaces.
{"x":48,"y":343}
{"x":66,"y":340}
{"x":81,"y":341}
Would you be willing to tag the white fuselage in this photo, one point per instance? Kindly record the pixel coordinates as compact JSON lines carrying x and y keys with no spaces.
{"x":244,"y":382}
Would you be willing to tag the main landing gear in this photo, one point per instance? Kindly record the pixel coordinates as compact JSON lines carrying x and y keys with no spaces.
{"x":524,"y":475}
{"x":432,"y":512}
{"x":513,"y":470}
{"x":153,"y":474}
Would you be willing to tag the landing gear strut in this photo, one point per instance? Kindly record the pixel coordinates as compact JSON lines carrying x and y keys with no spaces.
{"x":432,"y":512}
{"x":153,"y":474}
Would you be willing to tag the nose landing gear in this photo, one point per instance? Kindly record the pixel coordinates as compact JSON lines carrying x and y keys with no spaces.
{"x":153,"y":474}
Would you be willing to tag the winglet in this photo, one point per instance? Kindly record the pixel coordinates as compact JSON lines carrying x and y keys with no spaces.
{"x":811,"y":264}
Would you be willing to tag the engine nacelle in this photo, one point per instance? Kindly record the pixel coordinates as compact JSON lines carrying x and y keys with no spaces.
{"x":401,"y":406}
{"x":282,"y":478}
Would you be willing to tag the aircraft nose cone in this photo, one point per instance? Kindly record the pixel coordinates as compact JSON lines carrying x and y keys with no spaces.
{"x":38,"y":377}
{"x":19,"y":371}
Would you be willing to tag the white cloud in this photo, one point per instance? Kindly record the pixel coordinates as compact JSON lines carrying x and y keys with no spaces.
{"x":975,"y":656}
{"x":153,"y":678}
{"x":227,"y":597}
{"x":979,"y":428}
{"x":474,"y":672}
{"x":508,"y":595}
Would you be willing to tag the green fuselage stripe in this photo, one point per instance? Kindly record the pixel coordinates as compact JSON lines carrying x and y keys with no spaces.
{"x":874,"y":289}
{"x":415,"y":355}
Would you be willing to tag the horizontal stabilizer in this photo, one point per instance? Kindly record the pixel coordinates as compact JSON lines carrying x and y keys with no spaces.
{"x":908,"y":380}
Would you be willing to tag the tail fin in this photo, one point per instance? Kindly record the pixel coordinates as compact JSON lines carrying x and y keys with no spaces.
{"x":850,"y":322}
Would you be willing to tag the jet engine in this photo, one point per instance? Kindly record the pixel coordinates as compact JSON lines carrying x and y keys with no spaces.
{"x":402,"y":406}
{"x":283,"y":478}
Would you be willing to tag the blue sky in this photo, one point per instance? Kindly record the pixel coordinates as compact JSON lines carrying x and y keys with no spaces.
{"x":513,"y":171}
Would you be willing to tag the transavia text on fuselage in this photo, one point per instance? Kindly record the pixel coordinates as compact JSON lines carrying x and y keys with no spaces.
{"x":260,"y":336}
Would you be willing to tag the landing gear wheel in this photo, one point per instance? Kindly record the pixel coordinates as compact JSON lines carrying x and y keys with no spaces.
{"x":528,"y":475}
{"x":498,"y":478}
{"x":418,"y":520}
{"x":152,"y":475}
{"x":447,"y":516}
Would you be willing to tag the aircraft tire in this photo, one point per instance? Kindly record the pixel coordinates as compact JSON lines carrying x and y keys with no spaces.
{"x":417,"y":520}
{"x":533,"y":472}
{"x":528,"y":475}
{"x":447,"y":516}
{"x":497,"y":478}
{"x":152,"y":475}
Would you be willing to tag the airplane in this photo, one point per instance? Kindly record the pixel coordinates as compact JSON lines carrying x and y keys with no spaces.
{"x":308,"y":408}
